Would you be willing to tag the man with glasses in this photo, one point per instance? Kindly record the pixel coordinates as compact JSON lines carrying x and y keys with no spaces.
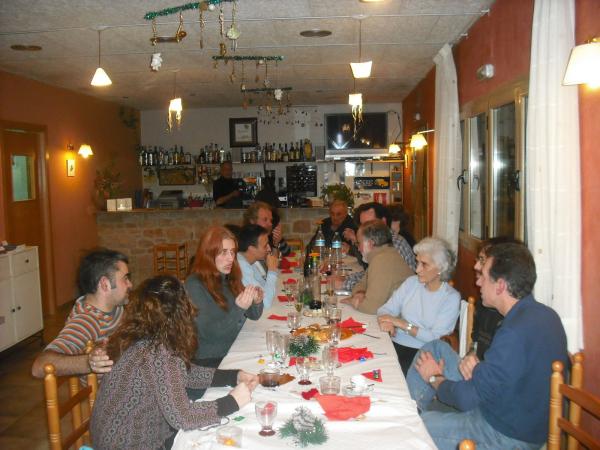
{"x":105,"y":283}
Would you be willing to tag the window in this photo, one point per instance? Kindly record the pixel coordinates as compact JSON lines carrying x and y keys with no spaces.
{"x":492,"y":182}
{"x":22,"y":173}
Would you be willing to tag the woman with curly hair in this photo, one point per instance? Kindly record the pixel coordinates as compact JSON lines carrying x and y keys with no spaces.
{"x":215,"y":287}
{"x":142,"y":401}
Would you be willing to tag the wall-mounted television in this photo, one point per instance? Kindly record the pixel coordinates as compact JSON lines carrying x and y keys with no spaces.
{"x":370,"y":140}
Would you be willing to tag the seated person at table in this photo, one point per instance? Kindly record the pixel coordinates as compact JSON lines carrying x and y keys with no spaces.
{"x":105,"y":284}
{"x":425,"y":307}
{"x":387,"y":269}
{"x":254,"y":248}
{"x":365,"y":213}
{"x":399,"y":223}
{"x":142,"y":401}
{"x":261,"y":213}
{"x":502,"y":401}
{"x":226,"y":191}
{"x":215,"y":287}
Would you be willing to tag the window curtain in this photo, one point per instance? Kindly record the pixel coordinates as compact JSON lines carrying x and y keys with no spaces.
{"x":448,"y":150}
{"x":553,"y":189}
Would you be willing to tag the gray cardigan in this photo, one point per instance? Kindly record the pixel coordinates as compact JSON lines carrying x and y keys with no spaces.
{"x":217,"y":329}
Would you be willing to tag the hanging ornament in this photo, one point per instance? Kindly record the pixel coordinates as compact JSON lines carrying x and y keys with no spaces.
{"x":267,"y":82}
{"x":222,"y":22}
{"x":155,"y":62}
{"x":243,"y":83}
{"x":211,"y":7}
{"x":232,"y":76}
{"x":257,"y":78}
{"x":233,"y":33}
{"x":222,"y":50}
{"x":202,"y":25}
{"x":278,"y":93}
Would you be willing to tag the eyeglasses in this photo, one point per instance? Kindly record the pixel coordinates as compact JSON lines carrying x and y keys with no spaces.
{"x":481,"y":259}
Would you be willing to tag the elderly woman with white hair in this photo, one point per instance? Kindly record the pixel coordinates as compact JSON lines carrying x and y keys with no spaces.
{"x":425,"y":307}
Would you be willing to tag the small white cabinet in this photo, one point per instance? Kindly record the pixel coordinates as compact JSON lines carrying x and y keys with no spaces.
{"x":20,"y":296}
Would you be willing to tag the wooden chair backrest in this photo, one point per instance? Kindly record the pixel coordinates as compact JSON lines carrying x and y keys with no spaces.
{"x":453,"y":339}
{"x":467,"y":444}
{"x":55,"y":410}
{"x":171,"y":259}
{"x":578,"y":399}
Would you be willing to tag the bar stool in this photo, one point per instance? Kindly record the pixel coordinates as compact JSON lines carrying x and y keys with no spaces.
{"x":171,"y":259}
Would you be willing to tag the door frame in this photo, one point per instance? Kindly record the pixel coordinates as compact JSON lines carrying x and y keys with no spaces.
{"x":48,"y":294}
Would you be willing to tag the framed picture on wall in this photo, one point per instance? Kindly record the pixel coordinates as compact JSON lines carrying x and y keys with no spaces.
{"x":243,"y":132}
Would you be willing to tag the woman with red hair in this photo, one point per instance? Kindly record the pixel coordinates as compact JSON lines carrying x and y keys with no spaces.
{"x":215,"y":287}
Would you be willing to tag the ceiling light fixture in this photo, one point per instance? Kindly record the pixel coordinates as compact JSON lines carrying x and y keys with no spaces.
{"x":100,"y":77}
{"x":361,"y":69}
{"x":315,"y":33}
{"x":584,"y":64}
{"x":175,"y":106}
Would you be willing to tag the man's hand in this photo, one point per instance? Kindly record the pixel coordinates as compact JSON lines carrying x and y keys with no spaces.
{"x":249,"y":379}
{"x":99,"y":361}
{"x":242,"y":395}
{"x":349,"y":235}
{"x":467,"y":364}
{"x":272,"y":262}
{"x":246,"y":297}
{"x":427,"y":366}
{"x":355,"y":300}
{"x":276,"y":233}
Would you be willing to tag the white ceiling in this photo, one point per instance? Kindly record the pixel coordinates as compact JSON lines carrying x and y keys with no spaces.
{"x":400,"y":36}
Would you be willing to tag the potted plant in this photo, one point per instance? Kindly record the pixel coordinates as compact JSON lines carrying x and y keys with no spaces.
{"x":339,"y":191}
{"x":107,"y":183}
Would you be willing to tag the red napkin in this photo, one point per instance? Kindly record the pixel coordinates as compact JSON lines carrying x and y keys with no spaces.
{"x":343,"y":408}
{"x":292,"y":280}
{"x":285,"y":264}
{"x":292,"y":255}
{"x":282,"y":298}
{"x":276,"y":317}
{"x":293,"y":360}
{"x":357,"y":327}
{"x":371,"y":375}
{"x":309,"y":394}
{"x":349,"y":354}
{"x":287,"y":271}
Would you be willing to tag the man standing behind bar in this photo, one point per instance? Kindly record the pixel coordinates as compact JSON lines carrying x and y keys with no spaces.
{"x":502,"y":401}
{"x":226,"y":191}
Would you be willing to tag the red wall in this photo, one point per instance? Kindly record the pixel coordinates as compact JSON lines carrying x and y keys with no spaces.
{"x":503,"y":38}
{"x":71,"y":118}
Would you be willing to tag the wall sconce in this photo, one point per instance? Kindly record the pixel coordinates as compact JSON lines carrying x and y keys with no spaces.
{"x":417,"y":140}
{"x":70,"y":167}
{"x":85,"y":151}
{"x":584,"y":64}
{"x":485,"y":72}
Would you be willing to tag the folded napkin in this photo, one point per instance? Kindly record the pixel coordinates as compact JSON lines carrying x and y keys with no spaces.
{"x":285,"y":264}
{"x":374,"y":375}
{"x":276,"y":317}
{"x":286,"y":271}
{"x":343,"y":408}
{"x":282,"y":298}
{"x":307,"y":395}
{"x":348,"y":354}
{"x":357,"y":327}
{"x":291,"y":280}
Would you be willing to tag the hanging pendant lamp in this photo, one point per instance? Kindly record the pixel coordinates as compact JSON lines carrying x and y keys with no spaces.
{"x":361,"y":69}
{"x":175,"y":107}
{"x":100,"y":78}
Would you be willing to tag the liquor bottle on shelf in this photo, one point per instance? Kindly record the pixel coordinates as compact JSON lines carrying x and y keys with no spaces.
{"x":142,"y":156}
{"x":202,"y":157}
{"x":181,"y":155}
{"x":150,"y":159}
{"x":228,"y":156}
{"x":286,"y":155}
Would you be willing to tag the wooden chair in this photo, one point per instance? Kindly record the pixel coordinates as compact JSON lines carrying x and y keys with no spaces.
{"x":578,"y":399}
{"x":171,"y":259}
{"x":55,"y":410}
{"x":464,"y":326}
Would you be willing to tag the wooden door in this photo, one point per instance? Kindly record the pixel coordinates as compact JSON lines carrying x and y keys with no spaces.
{"x":26,"y":221}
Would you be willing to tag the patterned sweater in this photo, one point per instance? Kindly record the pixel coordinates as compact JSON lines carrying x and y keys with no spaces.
{"x":145,"y":393}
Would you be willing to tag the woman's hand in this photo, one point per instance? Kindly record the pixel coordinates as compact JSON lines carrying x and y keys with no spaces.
{"x":259,"y":295}
{"x":99,"y":361}
{"x":398,"y":322}
{"x":272,"y":262}
{"x":246,"y":297}
{"x":276,"y":233}
{"x":249,"y":379}
{"x":242,"y":395}
{"x":388,"y":327}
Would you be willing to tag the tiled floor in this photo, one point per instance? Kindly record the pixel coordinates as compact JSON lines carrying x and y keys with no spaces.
{"x":22,"y":410}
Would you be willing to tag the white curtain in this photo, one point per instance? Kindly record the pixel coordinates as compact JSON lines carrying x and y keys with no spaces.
{"x":552,"y":167}
{"x":448,"y":150}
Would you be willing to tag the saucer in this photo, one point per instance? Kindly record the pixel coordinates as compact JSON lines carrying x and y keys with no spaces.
{"x":350,"y":392}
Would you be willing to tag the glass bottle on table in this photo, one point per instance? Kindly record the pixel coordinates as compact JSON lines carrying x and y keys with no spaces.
{"x":316,"y":303}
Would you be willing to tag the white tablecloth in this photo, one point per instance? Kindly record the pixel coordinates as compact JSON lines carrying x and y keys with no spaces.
{"x":391,"y":423}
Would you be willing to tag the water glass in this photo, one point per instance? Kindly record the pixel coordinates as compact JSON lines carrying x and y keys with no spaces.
{"x":269,"y":378}
{"x":283,"y":348}
{"x":266,"y":412}
{"x":293,"y":320}
{"x":330,"y":359}
{"x":271,"y":338}
{"x":335,"y":334}
{"x":303,"y":364}
{"x":334,"y":316}
{"x":330,"y":385}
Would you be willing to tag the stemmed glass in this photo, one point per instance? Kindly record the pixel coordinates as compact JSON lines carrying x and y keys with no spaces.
{"x":283,"y":348}
{"x":330,"y":359}
{"x":271,"y":338}
{"x":265,"y":414}
{"x":291,"y":291}
{"x":303,"y":367}
{"x":293,"y":320}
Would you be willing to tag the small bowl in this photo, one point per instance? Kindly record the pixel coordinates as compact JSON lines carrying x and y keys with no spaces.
{"x":269,"y":378}
{"x":230,"y":436}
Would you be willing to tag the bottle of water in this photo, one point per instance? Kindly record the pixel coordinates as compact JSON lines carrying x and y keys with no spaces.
{"x":320,"y":245}
{"x":336,"y":252}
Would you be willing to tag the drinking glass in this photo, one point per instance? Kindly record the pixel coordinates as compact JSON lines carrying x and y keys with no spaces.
{"x":335,"y":334}
{"x":271,"y":338}
{"x":265,"y":414}
{"x":335,"y":316}
{"x":299,"y":304}
{"x":283,"y":348}
{"x":330,"y":359}
{"x":303,"y":364}
{"x":293,"y":320}
{"x":330,"y":384}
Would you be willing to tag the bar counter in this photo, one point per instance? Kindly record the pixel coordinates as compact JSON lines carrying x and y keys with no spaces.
{"x":136,"y":232}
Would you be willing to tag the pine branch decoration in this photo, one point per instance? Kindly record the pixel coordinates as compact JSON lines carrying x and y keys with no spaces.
{"x":304,"y":428}
{"x":303,"y":346}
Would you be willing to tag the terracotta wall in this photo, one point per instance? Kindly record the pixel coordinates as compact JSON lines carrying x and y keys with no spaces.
{"x":503,"y":38}
{"x":71,"y":118}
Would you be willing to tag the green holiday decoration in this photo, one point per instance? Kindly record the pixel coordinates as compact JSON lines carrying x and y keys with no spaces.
{"x":305,"y":428}
{"x":175,"y":9}
{"x":247,"y":58}
{"x":303,"y":346}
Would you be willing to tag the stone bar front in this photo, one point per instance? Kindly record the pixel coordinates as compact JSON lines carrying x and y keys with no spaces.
{"x":136,"y":232}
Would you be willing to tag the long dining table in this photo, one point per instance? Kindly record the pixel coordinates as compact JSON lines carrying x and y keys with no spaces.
{"x":392,"y":421}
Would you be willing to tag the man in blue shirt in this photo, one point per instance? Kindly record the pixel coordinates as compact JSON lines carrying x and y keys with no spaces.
{"x":254,"y":250}
{"x":502,"y":401}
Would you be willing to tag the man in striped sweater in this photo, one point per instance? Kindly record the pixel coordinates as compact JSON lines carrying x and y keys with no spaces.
{"x":105,"y":283}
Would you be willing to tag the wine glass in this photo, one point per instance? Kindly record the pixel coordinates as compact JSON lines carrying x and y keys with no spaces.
{"x":271,"y":338}
{"x":293,"y":320}
{"x":335,"y":334}
{"x":303,"y":364}
{"x":265,"y":414}
{"x":283,"y":348}
{"x":330,"y":359}
{"x":334,"y":317}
